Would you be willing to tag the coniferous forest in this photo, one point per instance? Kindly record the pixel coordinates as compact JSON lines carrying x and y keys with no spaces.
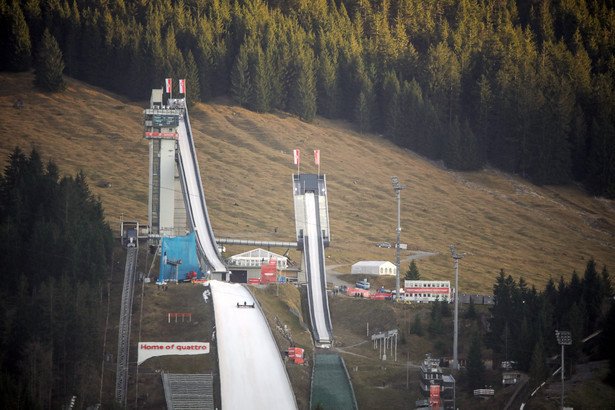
{"x":527,"y":87}
{"x":523,"y":321}
{"x":55,"y":251}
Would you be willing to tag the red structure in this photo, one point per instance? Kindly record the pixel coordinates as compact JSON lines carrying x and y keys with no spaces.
{"x":358,"y":292}
{"x":268,"y":271}
{"x":434,"y":396}
{"x":295,"y":354}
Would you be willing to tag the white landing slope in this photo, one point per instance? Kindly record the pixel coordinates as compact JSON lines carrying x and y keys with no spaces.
{"x":252,"y":373}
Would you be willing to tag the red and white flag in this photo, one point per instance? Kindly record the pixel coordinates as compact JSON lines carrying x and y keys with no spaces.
{"x":182,"y":86}
{"x":317,"y":156}
{"x":296,"y":155}
{"x":167,"y":82}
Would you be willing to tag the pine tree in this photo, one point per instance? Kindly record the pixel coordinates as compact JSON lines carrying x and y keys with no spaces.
{"x":15,"y":45}
{"x":362,"y":113}
{"x":49,"y":65}
{"x":416,"y":328}
{"x":592,"y":296}
{"x":435,"y":319}
{"x":471,"y":312}
{"x":260,"y":74}
{"x":240,"y":77}
{"x":302,"y":88}
{"x":192,"y":80}
{"x":413,"y":272}
{"x":327,"y":85}
{"x":608,"y":341}
{"x":538,"y":366}
{"x":475,"y":368}
{"x":605,"y":284}
{"x":391,"y":109}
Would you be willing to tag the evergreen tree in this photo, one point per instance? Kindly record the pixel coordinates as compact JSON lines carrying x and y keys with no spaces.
{"x":260,"y":98}
{"x":504,"y":310}
{"x":193,"y":86}
{"x":390,"y":103}
{"x":592,"y":296}
{"x":362,"y":113}
{"x":576,"y":319}
{"x":607,"y":343}
{"x":413,"y":272}
{"x":475,"y":368}
{"x":15,"y":45}
{"x":606,"y":286}
{"x":444,"y":307}
{"x":416,"y":328}
{"x":471,"y":312}
{"x":435,"y":319}
{"x":49,"y":65}
{"x":302,"y":90}
{"x":326,"y":85}
{"x":240,"y":77}
{"x":538,"y":368}
{"x":601,"y":158}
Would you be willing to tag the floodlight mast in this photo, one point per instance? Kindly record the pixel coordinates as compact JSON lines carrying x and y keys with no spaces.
{"x":397,"y":187}
{"x":564,"y":338}
{"x":456,"y":257}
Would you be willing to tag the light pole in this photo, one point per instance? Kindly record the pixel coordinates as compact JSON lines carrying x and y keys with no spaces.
{"x":564,"y":338}
{"x":456,"y":257}
{"x":397,"y":187}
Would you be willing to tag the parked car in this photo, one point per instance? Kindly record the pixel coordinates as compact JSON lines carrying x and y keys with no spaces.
{"x":383,"y":245}
{"x":363,"y":284}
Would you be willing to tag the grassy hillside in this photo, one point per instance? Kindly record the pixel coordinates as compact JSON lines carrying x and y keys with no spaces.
{"x":498,"y":220}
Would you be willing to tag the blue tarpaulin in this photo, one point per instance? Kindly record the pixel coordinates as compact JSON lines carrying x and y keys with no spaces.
{"x":178,"y":258}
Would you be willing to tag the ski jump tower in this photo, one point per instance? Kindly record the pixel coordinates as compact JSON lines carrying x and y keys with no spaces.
{"x":166,"y":209}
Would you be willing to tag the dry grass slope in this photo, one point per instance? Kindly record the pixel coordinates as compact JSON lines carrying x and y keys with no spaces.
{"x":498,"y":220}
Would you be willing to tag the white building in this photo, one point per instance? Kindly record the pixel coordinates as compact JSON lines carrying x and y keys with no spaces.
{"x":256,"y":258}
{"x":373,"y":268}
{"x":427,"y":290}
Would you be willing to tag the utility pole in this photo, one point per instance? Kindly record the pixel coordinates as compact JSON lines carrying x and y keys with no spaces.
{"x":456,"y":257}
{"x":397,"y":187}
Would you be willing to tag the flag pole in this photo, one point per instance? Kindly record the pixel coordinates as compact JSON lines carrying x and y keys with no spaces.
{"x":297,"y":159}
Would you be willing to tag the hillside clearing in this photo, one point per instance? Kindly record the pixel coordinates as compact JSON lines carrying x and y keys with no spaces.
{"x":500,"y":221}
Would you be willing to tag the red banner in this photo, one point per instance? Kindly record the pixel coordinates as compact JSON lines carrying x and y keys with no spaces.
{"x":182,"y":86}
{"x":427,"y":290}
{"x":358,"y":292}
{"x":317,"y":156}
{"x":162,"y":134}
{"x":167,"y":82}
{"x":434,"y":395}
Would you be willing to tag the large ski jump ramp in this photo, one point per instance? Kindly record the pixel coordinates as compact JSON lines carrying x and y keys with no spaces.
{"x":252,"y":373}
{"x":194,"y":197}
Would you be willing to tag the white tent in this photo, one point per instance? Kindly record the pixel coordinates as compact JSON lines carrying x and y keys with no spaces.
{"x":373,"y":268}
{"x":256,"y":258}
